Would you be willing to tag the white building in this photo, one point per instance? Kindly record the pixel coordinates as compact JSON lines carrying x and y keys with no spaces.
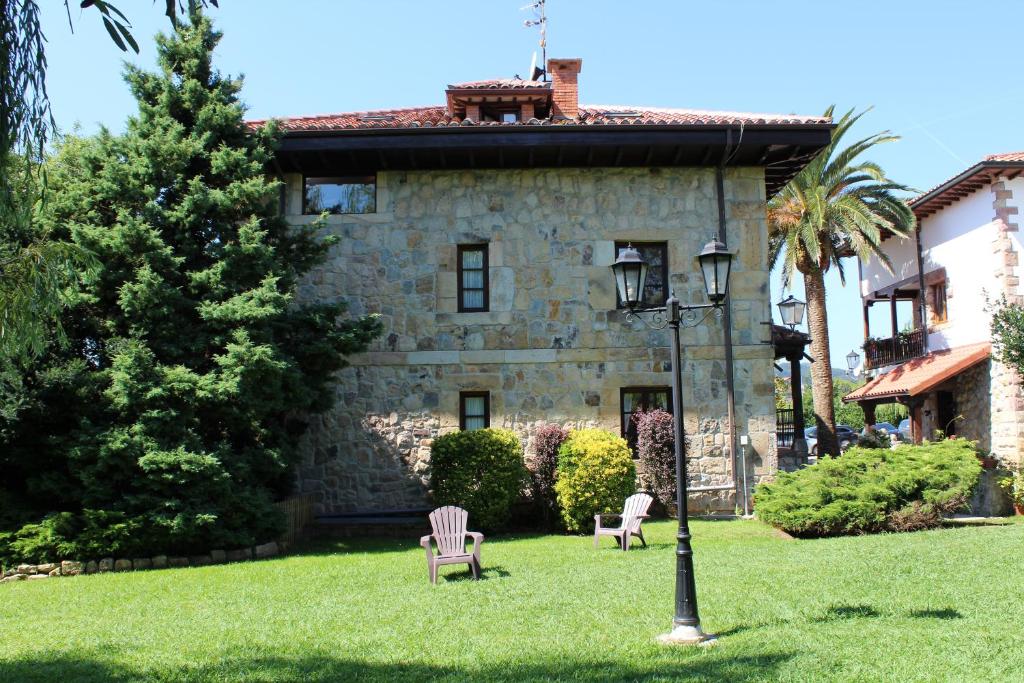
{"x":965,"y":255}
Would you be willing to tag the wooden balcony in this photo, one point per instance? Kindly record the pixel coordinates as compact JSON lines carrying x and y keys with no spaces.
{"x":903,"y":347}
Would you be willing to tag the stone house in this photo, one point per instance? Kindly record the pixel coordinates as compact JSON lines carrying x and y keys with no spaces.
{"x":482,"y":230}
{"x":964,"y":254}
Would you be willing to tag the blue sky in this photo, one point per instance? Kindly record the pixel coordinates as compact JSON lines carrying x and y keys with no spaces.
{"x":945,"y":75}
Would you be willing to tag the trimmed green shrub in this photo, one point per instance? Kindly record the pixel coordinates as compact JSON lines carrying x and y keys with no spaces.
{"x":871,"y":490}
{"x":655,"y":447}
{"x":480,"y":471}
{"x":595,"y":475}
{"x":874,"y":439}
{"x":544,"y":470}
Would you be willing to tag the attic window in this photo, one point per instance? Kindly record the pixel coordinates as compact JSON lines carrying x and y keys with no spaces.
{"x":502,"y":115}
{"x":620,"y":114}
{"x":339,"y":194}
{"x":378,"y":117}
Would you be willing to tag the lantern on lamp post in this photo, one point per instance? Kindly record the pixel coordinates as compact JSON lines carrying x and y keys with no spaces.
{"x":792,"y":311}
{"x":630,"y":271}
{"x":852,"y":361}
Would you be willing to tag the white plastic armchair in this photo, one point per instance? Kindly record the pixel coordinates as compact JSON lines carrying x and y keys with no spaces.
{"x":634,"y":512}
{"x":449,"y":535}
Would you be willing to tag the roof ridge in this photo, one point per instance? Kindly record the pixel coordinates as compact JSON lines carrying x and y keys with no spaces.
{"x":1002,"y":156}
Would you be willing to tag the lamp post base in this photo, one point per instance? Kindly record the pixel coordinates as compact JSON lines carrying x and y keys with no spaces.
{"x":687,"y":635}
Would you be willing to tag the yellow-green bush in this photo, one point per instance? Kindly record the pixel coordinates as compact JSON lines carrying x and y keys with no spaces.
{"x":595,"y":475}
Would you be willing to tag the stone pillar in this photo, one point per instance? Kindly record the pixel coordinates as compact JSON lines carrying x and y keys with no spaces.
{"x":1007,"y":397}
{"x":869,"y":415}
{"x":914,"y":407}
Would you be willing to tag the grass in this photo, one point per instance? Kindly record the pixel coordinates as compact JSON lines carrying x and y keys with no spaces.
{"x":930,"y":606}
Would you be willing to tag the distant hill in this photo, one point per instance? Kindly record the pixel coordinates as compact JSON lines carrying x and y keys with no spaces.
{"x":805,"y":372}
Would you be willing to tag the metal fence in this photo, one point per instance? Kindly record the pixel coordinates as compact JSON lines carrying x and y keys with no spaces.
{"x":785,"y":428}
{"x":298,"y":512}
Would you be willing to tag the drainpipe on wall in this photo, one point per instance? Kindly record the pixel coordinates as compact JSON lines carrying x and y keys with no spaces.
{"x":727,"y":340}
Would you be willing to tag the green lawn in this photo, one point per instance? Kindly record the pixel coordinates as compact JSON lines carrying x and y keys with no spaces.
{"x":941,"y":605}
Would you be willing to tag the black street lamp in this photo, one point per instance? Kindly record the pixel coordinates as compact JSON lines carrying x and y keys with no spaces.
{"x":792,"y":311}
{"x":630,"y":275}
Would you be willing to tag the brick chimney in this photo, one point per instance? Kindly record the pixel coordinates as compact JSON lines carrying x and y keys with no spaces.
{"x":565,"y":100}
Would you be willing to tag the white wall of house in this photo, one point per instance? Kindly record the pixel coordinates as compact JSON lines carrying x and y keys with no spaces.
{"x":902,"y":253}
{"x":959,"y":239}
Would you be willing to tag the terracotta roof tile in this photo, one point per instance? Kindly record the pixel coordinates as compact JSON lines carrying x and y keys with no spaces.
{"x":500,"y":84}
{"x":590,"y":115}
{"x":920,"y":375}
{"x":932,"y":200}
{"x":1008,"y":156}
{"x":601,"y":114}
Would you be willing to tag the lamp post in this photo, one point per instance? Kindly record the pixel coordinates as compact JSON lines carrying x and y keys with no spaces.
{"x":792,"y":311}
{"x":630,"y":271}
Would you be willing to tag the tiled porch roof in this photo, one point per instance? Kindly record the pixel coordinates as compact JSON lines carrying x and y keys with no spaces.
{"x":920,"y":375}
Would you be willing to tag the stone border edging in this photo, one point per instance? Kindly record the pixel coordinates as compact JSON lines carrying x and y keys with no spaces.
{"x":47,"y":570}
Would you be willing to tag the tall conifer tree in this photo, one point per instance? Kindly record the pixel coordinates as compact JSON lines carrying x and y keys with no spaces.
{"x":171,"y":422}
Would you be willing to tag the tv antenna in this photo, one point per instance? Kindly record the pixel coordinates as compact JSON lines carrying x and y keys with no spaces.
{"x":540,"y":20}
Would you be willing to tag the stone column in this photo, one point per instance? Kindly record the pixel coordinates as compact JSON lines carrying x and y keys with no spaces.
{"x":1007,"y":398}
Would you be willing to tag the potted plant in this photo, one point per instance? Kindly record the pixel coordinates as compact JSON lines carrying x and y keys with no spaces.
{"x":988,"y":461}
{"x":1013,"y":484}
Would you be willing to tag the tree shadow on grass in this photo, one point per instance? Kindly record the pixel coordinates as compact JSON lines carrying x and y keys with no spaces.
{"x":841,"y":612}
{"x":685,"y":665}
{"x":324,"y":546}
{"x":946,"y":613}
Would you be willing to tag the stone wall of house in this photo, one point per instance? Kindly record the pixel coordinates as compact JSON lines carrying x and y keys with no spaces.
{"x":974,"y":403}
{"x":553,"y":347}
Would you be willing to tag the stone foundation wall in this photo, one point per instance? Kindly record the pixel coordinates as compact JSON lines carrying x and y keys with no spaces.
{"x":552,"y":347}
{"x":32,"y":572}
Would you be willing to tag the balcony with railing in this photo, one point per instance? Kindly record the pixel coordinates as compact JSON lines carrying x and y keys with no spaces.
{"x":889,"y":351}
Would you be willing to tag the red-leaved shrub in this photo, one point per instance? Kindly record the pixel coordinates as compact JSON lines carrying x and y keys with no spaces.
{"x":655,"y":446}
{"x":544,"y":470}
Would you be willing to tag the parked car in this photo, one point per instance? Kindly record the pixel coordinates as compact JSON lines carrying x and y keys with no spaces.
{"x":904,"y":431}
{"x":847,"y":437}
{"x":886,"y":428}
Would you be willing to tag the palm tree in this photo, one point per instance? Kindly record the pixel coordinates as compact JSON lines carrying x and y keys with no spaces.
{"x":834,"y":208}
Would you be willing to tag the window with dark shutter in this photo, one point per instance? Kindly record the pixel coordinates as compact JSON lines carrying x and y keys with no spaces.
{"x":473,"y":289}
{"x":636,"y":400}
{"x":474,"y":410}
